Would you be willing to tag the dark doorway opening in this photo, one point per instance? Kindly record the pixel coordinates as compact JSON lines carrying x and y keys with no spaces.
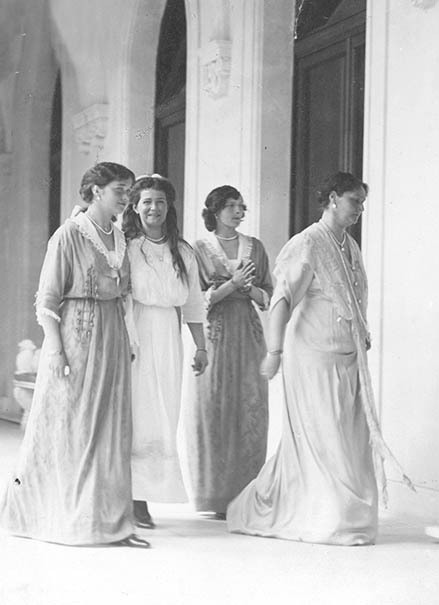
{"x":328,"y":117}
{"x":55,"y":158}
{"x":170,"y":112}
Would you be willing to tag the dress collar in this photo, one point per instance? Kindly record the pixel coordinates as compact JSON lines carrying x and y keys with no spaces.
{"x":245,"y":245}
{"x":114,"y":257}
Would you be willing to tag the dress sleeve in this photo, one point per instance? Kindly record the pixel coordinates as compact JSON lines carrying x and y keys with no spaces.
{"x":55,"y":275}
{"x":263,"y":279}
{"x":294,"y":271}
{"x":193,"y":310}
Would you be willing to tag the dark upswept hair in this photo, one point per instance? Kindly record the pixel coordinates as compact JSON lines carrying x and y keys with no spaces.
{"x":215,"y":202}
{"x":132,"y":225}
{"x":101,"y":174}
{"x":340,"y":182}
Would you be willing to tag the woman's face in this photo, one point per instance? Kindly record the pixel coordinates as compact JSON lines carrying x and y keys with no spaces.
{"x":349,"y":206}
{"x":152,"y":208}
{"x":232,"y":213}
{"x":113,"y":197}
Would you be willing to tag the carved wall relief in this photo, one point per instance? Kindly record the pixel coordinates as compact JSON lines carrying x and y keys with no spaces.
{"x":90,"y":126}
{"x":216,"y":66}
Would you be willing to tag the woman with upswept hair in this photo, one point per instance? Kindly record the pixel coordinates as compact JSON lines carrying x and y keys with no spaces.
{"x":321,"y":484}
{"x":226,"y":418}
{"x":165,"y":290}
{"x":72,"y":481}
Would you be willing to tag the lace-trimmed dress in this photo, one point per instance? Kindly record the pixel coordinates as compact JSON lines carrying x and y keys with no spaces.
{"x":226,"y":412}
{"x":160,"y":301}
{"x":320,"y":486}
{"x":72,"y":482}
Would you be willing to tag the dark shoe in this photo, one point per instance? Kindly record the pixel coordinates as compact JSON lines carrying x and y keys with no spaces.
{"x":145,"y":523}
{"x":220,"y":516}
{"x":133,"y":541}
{"x":141,"y":514}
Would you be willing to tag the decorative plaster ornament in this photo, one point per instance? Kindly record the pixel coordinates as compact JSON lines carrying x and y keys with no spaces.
{"x":424,"y":3}
{"x":216,"y":66}
{"x":90,"y":126}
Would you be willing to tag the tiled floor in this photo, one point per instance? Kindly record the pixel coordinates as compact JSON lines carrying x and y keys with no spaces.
{"x":195,"y":561}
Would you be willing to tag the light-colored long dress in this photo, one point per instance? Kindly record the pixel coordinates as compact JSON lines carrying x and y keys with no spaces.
{"x":72,"y":482}
{"x":320,"y":486}
{"x":159,"y":296}
{"x":226,"y":412}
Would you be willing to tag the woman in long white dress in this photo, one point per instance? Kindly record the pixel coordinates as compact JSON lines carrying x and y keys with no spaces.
{"x":72,"y":482}
{"x":165,"y":292}
{"x":320,"y":486}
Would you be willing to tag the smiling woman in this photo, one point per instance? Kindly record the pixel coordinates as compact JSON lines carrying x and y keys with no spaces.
{"x":165,"y":289}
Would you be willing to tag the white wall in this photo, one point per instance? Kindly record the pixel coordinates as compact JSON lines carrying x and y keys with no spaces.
{"x":401,"y":227}
{"x":242,"y":138}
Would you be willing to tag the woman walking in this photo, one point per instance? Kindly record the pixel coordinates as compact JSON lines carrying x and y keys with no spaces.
{"x":320,"y":486}
{"x":227,"y":419}
{"x":72,"y":483}
{"x":165,"y":292}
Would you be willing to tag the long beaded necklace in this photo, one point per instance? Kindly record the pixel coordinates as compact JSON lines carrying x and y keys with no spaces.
{"x":339,"y":243}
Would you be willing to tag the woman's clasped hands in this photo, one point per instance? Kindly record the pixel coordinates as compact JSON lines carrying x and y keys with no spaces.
{"x":243,"y":276}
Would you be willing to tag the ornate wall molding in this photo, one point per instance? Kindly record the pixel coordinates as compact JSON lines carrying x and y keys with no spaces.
{"x":216,"y":60}
{"x":424,"y":3}
{"x":90,"y":126}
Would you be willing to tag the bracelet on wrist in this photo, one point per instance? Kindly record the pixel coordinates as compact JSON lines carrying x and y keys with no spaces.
{"x":277,"y":352}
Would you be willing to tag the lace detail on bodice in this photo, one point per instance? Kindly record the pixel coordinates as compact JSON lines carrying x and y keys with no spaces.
{"x":114,"y":258}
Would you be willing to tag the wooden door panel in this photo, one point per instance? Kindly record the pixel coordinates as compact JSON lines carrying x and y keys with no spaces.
{"x":320,"y":128}
{"x":328,"y":111}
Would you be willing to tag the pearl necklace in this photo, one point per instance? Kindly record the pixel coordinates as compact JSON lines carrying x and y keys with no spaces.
{"x":109,"y":232}
{"x":154,"y":240}
{"x":226,"y":239}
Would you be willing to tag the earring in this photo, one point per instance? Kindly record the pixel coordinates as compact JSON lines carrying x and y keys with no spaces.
{"x":334,"y":205}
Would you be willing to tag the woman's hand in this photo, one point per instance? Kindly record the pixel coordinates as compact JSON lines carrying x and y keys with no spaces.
{"x":200,"y":361}
{"x":243,"y":277}
{"x":58,"y":364}
{"x":270,"y":365}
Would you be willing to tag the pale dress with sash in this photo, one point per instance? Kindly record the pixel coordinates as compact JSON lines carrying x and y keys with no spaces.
{"x":320,"y":486}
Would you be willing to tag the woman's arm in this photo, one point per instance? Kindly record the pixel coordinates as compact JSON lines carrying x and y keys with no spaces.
{"x":290,"y":290}
{"x":200,"y":357}
{"x":278,"y":320}
{"x":53,"y":346}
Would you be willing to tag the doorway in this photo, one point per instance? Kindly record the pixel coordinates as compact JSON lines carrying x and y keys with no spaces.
{"x":328,"y":108}
{"x":55,"y":147}
{"x":170,"y":107}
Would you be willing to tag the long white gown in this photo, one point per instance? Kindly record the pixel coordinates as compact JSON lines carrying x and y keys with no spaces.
{"x":161,"y":300}
{"x":320,"y":485}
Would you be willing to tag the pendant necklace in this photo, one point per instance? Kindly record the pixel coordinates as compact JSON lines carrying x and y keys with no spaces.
{"x":110,"y":230}
{"x":158,"y":253}
{"x":339,"y":243}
